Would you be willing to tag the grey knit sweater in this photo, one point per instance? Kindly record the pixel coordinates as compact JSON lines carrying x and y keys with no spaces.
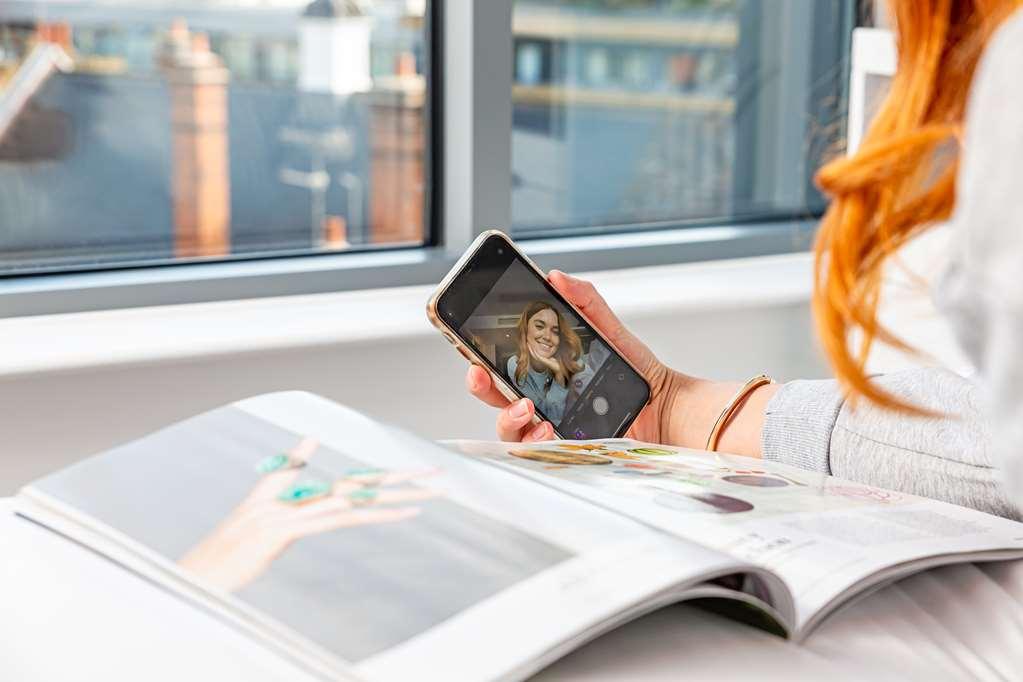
{"x":975,"y":457}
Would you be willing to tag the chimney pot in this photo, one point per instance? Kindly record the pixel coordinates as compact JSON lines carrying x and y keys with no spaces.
{"x":200,"y":43}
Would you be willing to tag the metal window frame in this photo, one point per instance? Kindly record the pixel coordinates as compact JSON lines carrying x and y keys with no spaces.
{"x":469,"y":190}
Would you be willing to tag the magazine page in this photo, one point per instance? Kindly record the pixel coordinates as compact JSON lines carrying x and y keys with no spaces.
{"x":368,"y":552}
{"x":824,"y":536}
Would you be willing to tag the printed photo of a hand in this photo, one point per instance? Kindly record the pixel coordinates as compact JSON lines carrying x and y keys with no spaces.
{"x":263,"y":526}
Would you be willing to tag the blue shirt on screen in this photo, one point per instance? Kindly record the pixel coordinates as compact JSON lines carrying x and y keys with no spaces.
{"x":550,"y":397}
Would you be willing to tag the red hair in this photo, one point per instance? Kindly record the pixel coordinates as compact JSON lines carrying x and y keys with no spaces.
{"x":901,"y":180}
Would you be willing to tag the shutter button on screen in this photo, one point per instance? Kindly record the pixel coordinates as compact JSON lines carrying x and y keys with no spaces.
{"x":600,"y":405}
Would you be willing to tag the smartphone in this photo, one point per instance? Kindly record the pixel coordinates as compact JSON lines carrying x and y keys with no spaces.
{"x":498,"y":310}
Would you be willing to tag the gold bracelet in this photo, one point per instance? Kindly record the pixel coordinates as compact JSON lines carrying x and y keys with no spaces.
{"x":733,"y":404}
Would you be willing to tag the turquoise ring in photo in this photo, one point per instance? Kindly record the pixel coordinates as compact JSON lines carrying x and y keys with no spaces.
{"x":367,"y":477}
{"x":273,"y":463}
{"x":363,"y":497}
{"x":365,"y":471}
{"x":304,"y":492}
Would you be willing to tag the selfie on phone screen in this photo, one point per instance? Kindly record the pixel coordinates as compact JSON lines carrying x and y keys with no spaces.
{"x":551,"y":356}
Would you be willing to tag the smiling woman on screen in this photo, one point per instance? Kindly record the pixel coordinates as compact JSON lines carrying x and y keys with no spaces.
{"x":548,"y":359}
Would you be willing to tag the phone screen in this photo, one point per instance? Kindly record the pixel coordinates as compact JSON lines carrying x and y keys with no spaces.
{"x":501,"y":307}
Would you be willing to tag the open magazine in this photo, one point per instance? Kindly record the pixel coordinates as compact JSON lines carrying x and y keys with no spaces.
{"x":362,"y":552}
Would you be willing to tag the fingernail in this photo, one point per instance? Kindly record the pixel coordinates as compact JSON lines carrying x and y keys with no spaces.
{"x":520,"y":409}
{"x":539,"y":432}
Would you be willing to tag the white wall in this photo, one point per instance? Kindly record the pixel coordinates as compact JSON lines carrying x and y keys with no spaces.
{"x":94,"y":387}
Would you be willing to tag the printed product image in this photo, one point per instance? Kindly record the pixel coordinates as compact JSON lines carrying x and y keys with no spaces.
{"x":656,"y":452}
{"x":702,"y":502}
{"x":554,"y":457}
{"x":756,"y":481}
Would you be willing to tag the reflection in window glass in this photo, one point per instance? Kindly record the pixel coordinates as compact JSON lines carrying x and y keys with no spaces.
{"x":658,"y":112}
{"x":141,"y":132}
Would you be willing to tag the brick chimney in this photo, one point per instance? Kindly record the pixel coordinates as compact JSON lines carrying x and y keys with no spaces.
{"x":200,"y":178}
{"x":398,"y":139}
{"x":57,"y":33}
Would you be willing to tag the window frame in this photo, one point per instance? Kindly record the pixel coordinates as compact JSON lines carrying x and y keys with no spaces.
{"x":468,"y":190}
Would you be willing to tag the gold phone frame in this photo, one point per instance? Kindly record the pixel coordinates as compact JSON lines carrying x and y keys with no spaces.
{"x":476,"y":358}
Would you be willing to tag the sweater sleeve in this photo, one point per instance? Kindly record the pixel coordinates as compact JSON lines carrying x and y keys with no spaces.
{"x":798,"y":424}
{"x":808,"y":424}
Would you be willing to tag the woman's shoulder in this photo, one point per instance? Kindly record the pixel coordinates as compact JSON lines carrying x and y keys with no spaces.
{"x":1000,"y":65}
{"x":982,"y":275}
{"x":512,"y":365}
{"x":1009,"y":34}
{"x":988,"y":205}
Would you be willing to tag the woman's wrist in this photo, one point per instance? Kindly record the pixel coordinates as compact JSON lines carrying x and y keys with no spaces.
{"x":743,"y":433}
{"x":697,"y":404}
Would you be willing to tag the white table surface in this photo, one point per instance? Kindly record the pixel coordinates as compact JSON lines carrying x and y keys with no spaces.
{"x":70,"y":614}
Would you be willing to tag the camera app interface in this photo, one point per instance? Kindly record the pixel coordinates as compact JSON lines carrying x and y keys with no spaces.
{"x":556,"y":360}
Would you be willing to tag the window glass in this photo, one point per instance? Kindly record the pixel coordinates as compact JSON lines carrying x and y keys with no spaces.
{"x":646,"y":113}
{"x":145,"y":132}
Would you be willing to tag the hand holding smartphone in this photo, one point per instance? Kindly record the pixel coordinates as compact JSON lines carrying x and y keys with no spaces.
{"x":498,"y":310}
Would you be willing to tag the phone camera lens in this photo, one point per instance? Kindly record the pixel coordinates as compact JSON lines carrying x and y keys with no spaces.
{"x":500,"y":252}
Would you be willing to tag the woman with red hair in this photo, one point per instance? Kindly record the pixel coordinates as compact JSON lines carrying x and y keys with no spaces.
{"x":946,"y":146}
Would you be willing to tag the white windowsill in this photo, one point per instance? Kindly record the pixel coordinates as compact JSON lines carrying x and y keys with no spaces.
{"x":92,"y":340}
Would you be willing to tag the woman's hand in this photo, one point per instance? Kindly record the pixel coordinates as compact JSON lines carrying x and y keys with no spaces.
{"x":552,"y":365}
{"x":654,"y":424}
{"x":262,"y":527}
{"x":681,"y":411}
